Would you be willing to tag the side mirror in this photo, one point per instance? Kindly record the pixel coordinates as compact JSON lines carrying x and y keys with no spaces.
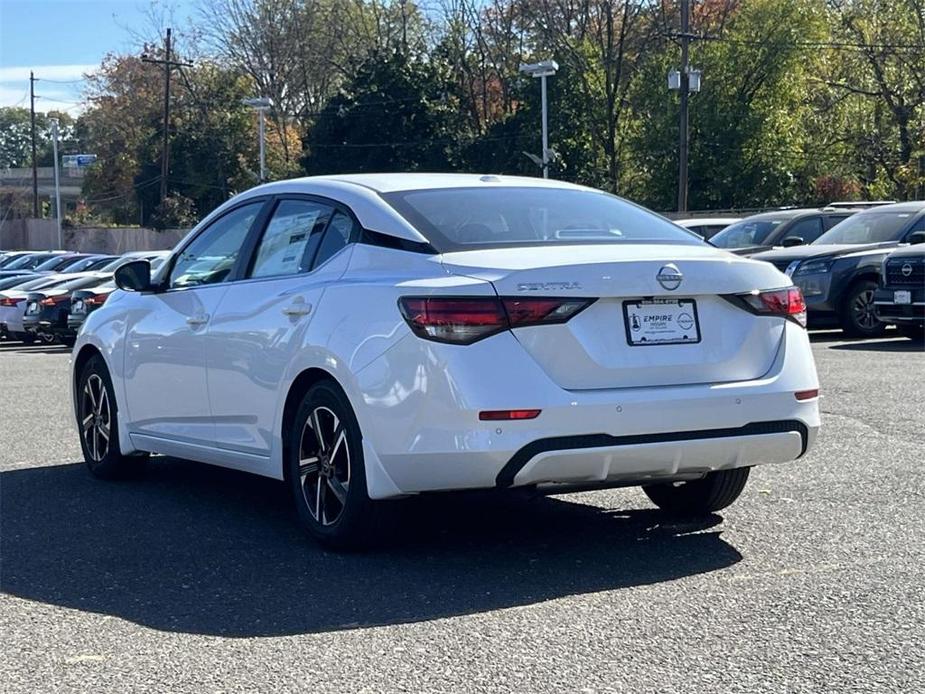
{"x":134,"y":276}
{"x":917,"y":237}
{"x":792,"y":241}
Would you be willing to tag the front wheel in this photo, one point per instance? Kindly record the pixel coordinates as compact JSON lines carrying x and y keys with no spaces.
{"x":858,"y":318}
{"x":326,"y":470}
{"x":714,"y":492}
{"x":98,"y":423}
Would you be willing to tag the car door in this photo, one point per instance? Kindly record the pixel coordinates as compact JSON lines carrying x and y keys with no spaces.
{"x":165,"y":349}
{"x":262,"y":320}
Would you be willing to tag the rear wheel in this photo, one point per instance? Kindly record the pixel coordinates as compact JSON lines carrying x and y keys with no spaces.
{"x":715,"y":491}
{"x":98,"y":423}
{"x":326,"y":470}
{"x":858,"y":318}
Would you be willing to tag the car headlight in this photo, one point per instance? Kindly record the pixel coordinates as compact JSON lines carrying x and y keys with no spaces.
{"x":813,"y":267}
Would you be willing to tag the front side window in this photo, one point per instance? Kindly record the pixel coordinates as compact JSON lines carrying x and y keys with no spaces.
{"x":807,"y":229}
{"x":291,"y":238}
{"x":211,"y":256}
{"x":875,"y":226}
{"x":748,"y":232}
{"x":470,"y":218}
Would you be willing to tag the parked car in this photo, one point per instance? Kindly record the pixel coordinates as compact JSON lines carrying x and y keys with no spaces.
{"x":900,"y":298}
{"x":10,"y":256}
{"x":13,"y":303}
{"x":46,"y":310}
{"x":28,"y":262}
{"x":840,"y":271}
{"x":83,"y":303}
{"x":89,"y":263}
{"x":764,"y":231}
{"x":707,"y":227}
{"x":60,"y":262}
{"x":379,"y":336}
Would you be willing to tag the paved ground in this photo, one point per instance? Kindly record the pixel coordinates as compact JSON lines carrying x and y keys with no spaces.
{"x":195,"y":579}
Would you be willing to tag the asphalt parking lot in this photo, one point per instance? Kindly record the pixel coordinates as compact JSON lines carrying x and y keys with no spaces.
{"x":193,"y":578}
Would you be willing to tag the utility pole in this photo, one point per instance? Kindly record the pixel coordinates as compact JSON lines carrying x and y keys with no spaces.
{"x":683,"y":137}
{"x":35,"y":171}
{"x":168,"y":67}
{"x":54,"y":149}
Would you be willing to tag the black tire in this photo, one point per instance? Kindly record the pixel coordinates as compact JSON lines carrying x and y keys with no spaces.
{"x":27,"y":339}
{"x":98,"y":424}
{"x":857,"y":315}
{"x":328,"y":483}
{"x":68,"y":340}
{"x":714,"y":492}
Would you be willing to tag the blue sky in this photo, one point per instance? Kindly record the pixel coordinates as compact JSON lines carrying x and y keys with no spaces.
{"x":62,"y":39}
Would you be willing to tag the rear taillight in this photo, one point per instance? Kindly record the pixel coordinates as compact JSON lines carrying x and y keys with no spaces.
{"x":10,"y":302}
{"x":787,"y":303}
{"x":54,"y":300}
{"x":463,"y":321}
{"x":96,"y":299}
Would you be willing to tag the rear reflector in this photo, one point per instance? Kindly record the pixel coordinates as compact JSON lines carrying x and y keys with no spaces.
{"x":54,"y":300}
{"x":787,"y":303}
{"x":495,"y":415}
{"x":463,"y":321}
{"x":806,"y":394}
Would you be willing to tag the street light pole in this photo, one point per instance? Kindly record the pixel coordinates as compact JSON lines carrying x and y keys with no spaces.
{"x":260,"y":105}
{"x":683,"y":137}
{"x":542,"y":70}
{"x":54,"y":149}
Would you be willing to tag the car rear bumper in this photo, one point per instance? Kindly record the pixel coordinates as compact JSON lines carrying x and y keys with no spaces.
{"x":422,"y":430}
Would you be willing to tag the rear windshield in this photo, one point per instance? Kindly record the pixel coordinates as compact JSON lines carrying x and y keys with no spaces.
{"x":748,"y":232}
{"x":455,"y":219}
{"x":868,"y":227}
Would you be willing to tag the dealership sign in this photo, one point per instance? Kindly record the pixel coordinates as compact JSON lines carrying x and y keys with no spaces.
{"x":77,"y":161}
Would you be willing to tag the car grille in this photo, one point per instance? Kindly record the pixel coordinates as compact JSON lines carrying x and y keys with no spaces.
{"x":910,"y":278}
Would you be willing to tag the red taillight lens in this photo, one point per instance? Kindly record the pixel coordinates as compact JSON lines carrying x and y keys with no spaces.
{"x":523,"y":312}
{"x":806,"y":394}
{"x":463,"y":321}
{"x":458,"y":321}
{"x":54,"y":300}
{"x":787,"y":303}
{"x":96,"y":299}
{"x":10,"y":302}
{"x":498,"y":415}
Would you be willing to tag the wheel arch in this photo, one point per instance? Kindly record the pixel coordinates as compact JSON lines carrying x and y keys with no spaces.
{"x":84,"y":354}
{"x":297,"y":390}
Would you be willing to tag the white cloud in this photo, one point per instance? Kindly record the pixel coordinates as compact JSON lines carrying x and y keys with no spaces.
{"x":50,"y":72}
{"x":50,"y":96}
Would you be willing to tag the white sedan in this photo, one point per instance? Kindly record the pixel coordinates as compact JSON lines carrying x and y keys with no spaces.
{"x":372,"y":337}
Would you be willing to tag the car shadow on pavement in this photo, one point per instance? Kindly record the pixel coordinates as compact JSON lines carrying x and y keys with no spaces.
{"x":21,"y":348}
{"x":900,"y":344}
{"x":197,"y":549}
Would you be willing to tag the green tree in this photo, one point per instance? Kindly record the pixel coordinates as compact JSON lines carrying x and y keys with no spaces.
{"x":397,"y":114}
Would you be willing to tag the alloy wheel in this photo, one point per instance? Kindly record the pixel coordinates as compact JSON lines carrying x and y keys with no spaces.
{"x":324,"y":465}
{"x":95,"y":417}
{"x":863,"y":310}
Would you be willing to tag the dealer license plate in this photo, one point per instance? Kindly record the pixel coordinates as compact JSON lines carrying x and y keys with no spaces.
{"x":78,"y":307}
{"x":902,"y":296}
{"x":661,"y":322}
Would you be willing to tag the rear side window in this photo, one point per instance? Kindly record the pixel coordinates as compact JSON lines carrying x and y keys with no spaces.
{"x":337,"y":236}
{"x":291,"y":238}
{"x":211,"y":256}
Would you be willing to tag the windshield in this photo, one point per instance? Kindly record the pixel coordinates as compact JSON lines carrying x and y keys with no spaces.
{"x":868,"y":227}
{"x":455,"y":219}
{"x":28,"y":262}
{"x":748,"y":232}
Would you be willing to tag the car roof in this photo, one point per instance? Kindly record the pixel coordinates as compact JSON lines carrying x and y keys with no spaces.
{"x":910,"y":206}
{"x":791,"y":213}
{"x":698,"y":221}
{"x":395,"y":182}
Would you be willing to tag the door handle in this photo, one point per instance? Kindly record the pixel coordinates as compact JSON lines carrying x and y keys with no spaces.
{"x":200,"y":319}
{"x":297,"y":309}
